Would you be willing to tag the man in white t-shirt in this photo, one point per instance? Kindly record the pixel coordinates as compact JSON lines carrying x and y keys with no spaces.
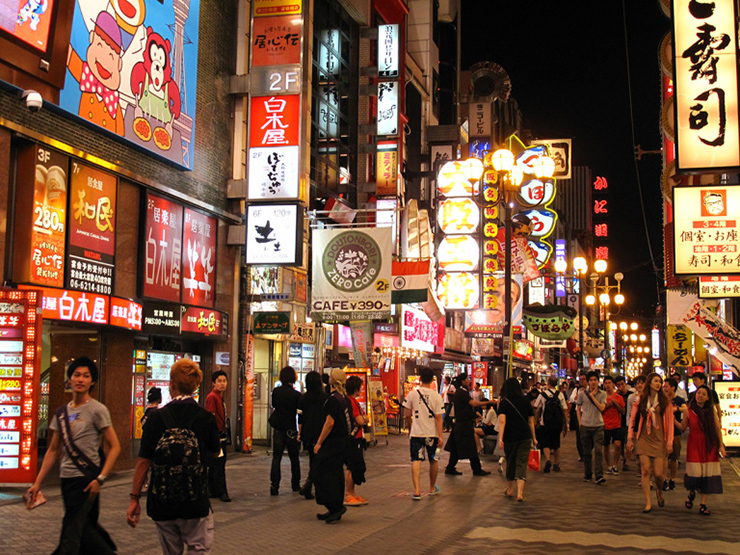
{"x":424,"y":410}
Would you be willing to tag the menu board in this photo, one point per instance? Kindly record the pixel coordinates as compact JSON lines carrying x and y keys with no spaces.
{"x":729,"y":402}
{"x":199,"y":258}
{"x":91,"y":246}
{"x":159,"y":364}
{"x":20,"y":345}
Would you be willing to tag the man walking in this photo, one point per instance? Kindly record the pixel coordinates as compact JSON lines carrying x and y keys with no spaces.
{"x":551,"y":416}
{"x":175,"y":443}
{"x":591,"y":403}
{"x":447,"y":393}
{"x":217,"y":467}
{"x":424,"y":410}
{"x":461,"y":443}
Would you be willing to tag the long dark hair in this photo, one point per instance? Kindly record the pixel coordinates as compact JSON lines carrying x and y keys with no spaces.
{"x":512,"y":389}
{"x":707,"y":422}
{"x":662,"y":399}
{"x":314,"y":384}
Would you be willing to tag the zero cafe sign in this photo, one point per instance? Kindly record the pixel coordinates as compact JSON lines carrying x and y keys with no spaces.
{"x":75,"y":306}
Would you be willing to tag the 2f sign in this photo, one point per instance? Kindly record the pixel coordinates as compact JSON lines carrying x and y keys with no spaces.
{"x":269,"y":81}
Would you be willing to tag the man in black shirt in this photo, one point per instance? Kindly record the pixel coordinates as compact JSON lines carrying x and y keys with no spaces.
{"x":285,"y":430}
{"x":181,"y":526}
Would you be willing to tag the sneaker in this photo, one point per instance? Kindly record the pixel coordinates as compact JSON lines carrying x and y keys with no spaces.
{"x":362,"y":500}
{"x":671,"y":485}
{"x":352,"y":502}
{"x":416,"y":497}
{"x":586,"y":479}
{"x":435,"y":492}
{"x":548,"y":466}
{"x":481,"y":472}
{"x":600,"y":480}
{"x":665,"y":485}
{"x":556,"y":468}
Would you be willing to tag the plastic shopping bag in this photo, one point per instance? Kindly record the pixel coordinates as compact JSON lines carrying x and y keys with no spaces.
{"x":534,"y":460}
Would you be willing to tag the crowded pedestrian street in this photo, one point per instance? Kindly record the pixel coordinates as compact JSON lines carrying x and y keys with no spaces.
{"x":561,"y":514}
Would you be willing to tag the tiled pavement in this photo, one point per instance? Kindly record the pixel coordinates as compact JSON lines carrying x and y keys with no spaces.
{"x":561,"y":514}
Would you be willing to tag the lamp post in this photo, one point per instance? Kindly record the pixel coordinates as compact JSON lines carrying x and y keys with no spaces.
{"x":509,"y":176}
{"x":580,"y":267}
{"x":605,"y":300}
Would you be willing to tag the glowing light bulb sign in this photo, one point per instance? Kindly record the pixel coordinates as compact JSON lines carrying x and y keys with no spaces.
{"x":543,"y":222}
{"x":20,"y":347}
{"x":536,"y":192}
{"x":459,"y":290}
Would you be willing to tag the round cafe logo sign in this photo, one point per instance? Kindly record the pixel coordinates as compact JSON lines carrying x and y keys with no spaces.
{"x":352,"y":261}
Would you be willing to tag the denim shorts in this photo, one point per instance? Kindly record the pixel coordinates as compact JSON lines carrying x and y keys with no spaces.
{"x":423,"y":446}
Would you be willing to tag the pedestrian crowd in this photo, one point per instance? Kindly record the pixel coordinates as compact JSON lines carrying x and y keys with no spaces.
{"x":182,"y":456}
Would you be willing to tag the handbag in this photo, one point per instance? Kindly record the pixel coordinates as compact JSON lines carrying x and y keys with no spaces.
{"x":534,"y":460}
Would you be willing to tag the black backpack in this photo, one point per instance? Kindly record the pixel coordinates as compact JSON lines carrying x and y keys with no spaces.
{"x":553,"y":412}
{"x":178,"y":475}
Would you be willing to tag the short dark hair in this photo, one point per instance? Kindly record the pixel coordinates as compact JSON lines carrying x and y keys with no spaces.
{"x":552,"y":381}
{"x":619,"y":379}
{"x":608,"y":377}
{"x":426,"y":375}
{"x":701,"y":375}
{"x":592,"y":374}
{"x":217,"y":374}
{"x":673,"y":382}
{"x":154,"y":394}
{"x":353,"y":385}
{"x":287,"y":375}
{"x":641,"y":378}
{"x":82,"y":362}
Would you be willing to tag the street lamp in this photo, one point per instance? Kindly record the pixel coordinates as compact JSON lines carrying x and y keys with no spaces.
{"x":510,"y":177}
{"x":580,"y":268}
{"x":605,"y":300}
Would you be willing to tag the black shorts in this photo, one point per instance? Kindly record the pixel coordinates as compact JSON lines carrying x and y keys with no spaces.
{"x":610,"y":436}
{"x":549,"y":438}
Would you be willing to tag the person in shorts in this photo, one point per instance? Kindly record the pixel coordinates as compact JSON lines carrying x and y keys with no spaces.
{"x":424,"y":411}
{"x":612,"y":416}
{"x":551,"y":428}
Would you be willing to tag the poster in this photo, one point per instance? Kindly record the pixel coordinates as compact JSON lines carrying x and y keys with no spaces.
{"x":362,"y":343}
{"x":351,"y":276}
{"x":163,"y":249}
{"x":199,"y":241}
{"x":132,"y":70}
{"x":729,"y":402}
{"x":91,"y":230}
{"x":377,"y":404}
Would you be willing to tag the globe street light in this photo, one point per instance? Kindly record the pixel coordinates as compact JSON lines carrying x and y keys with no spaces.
{"x":605,"y":300}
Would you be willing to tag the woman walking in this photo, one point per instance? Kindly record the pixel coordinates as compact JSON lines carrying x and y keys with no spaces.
{"x":652,"y":423}
{"x":310,"y":421}
{"x":516,"y":435}
{"x":77,"y":431}
{"x":702,"y":450}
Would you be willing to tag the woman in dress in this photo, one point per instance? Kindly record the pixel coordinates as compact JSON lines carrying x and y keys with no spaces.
{"x":516,"y":434}
{"x":703,"y":446}
{"x":651,"y":434}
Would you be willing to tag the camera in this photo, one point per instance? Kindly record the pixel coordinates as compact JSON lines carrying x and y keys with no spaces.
{"x":34,"y":100}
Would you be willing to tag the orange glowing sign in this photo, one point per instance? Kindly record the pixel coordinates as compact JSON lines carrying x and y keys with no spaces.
{"x":458,"y":253}
{"x":458,"y":216}
{"x":458,"y":290}
{"x":386,"y":169}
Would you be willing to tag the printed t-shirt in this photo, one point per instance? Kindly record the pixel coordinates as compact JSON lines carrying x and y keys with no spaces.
{"x":422,"y":423}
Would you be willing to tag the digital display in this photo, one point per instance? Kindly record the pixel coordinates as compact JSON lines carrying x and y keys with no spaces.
{"x":28,"y":20}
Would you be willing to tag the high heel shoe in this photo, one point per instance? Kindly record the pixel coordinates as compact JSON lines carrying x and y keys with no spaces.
{"x":690,"y":500}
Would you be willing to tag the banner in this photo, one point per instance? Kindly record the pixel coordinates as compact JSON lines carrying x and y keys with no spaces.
{"x":704,"y":323}
{"x":351,"y":274}
{"x":377,"y":404}
{"x":680,"y":342}
{"x":362,"y":343}
{"x":480,"y":373}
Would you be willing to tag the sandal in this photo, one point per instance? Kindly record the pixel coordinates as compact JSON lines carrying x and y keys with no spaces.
{"x":703,"y":510}
{"x":507,"y":493}
{"x":690,"y":500}
{"x":661,"y":501}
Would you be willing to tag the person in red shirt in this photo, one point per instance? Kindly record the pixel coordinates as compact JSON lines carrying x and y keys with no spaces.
{"x":355,"y":473}
{"x":612,"y":415}
{"x":217,"y":466}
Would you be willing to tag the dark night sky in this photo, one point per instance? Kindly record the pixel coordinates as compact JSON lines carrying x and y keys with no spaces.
{"x":568,"y":70}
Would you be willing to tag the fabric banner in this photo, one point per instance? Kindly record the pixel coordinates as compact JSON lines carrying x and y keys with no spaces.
{"x":680,"y":342}
{"x":410,"y":281}
{"x":704,"y":323}
{"x":677,"y":302}
{"x":362,"y":342}
{"x":377,"y":404}
{"x":351,"y":274}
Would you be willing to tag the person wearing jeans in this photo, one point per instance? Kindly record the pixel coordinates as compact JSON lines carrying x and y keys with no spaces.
{"x":591,"y":403}
{"x":285,"y":430}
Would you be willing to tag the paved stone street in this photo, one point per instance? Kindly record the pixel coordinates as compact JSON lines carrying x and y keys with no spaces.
{"x":561,"y":514}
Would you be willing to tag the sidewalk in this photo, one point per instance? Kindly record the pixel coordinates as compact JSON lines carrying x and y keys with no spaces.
{"x":561,"y":514}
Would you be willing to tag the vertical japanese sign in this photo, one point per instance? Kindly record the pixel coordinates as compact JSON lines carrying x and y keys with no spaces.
{"x":705,"y":230}
{"x":387,"y":120}
{"x":599,"y":217}
{"x":20,"y":349}
{"x":680,"y":346}
{"x":41,"y":218}
{"x":560,"y":254}
{"x":199,"y":258}
{"x":91,"y":237}
{"x":480,"y":120}
{"x":707,"y":131}
{"x":388,"y":51}
{"x":162,"y":249}
{"x":386,"y":169}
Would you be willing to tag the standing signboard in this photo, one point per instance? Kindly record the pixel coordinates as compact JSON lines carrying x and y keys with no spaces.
{"x":20,"y":351}
{"x":376,"y":401}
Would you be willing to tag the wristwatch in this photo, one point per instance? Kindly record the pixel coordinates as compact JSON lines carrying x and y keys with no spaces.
{"x":101,"y":479}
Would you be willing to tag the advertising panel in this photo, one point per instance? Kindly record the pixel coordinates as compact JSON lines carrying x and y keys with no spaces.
{"x":161,"y":318}
{"x":203,"y":321}
{"x":163,"y":250}
{"x":132,"y":70}
{"x":386,"y":169}
{"x":418,"y":331}
{"x":480,"y":119}
{"x":125,"y":313}
{"x":715,"y":332}
{"x":362,"y":343}
{"x":28,"y":21}
{"x":387,"y":120}
{"x":729,"y":402}
{"x":273,"y":173}
{"x":376,"y":400}
{"x":707,"y":131}
{"x":199,"y":242}
{"x":719,"y":287}
{"x":20,"y":348}
{"x":388,"y":51}
{"x":74,"y":306}
{"x":705,"y":235}
{"x":274,"y":234}
{"x":560,"y":152}
{"x":276,"y":41}
{"x":266,"y":8}
{"x":351,"y":274}
{"x":274,"y":121}
{"x":91,"y":236}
